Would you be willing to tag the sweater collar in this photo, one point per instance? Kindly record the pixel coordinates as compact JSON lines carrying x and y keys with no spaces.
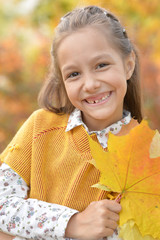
{"x":75,"y":120}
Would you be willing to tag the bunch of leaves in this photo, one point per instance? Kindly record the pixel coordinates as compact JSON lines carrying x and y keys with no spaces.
{"x":131,"y":167}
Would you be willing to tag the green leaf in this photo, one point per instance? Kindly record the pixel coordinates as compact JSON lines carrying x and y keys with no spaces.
{"x":102,"y":187}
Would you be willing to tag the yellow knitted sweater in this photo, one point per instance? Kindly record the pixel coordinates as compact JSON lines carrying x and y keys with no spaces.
{"x":54,"y":163}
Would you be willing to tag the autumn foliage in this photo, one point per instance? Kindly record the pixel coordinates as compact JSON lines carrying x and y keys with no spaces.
{"x":25,"y":40}
{"x":131,"y":168}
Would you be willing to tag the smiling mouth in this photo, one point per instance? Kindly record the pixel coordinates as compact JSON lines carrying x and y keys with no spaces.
{"x":99,"y":100}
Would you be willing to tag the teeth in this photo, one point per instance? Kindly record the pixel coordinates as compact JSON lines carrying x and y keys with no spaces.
{"x":99,"y":100}
{"x":90,"y":102}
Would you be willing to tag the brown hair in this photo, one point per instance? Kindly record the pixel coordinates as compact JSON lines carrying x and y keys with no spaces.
{"x":53,"y":95}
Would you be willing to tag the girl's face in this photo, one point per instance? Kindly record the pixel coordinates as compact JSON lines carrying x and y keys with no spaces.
{"x":95,"y":76}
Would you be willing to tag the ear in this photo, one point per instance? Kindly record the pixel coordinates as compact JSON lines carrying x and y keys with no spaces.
{"x":130,"y":65}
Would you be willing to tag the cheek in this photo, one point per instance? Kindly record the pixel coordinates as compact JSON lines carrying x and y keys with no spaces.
{"x":123,"y":89}
{"x":118,"y":82}
{"x":71,"y":92}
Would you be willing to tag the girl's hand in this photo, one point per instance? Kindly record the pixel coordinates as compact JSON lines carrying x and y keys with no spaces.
{"x":98,"y":220}
{"x":4,"y":236}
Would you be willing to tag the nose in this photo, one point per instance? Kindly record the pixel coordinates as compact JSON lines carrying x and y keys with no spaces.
{"x":90,"y":83}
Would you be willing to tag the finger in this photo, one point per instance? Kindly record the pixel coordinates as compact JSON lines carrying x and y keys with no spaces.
{"x":111,"y":224}
{"x":112,"y":216}
{"x":113,"y":206}
{"x":108,"y":232}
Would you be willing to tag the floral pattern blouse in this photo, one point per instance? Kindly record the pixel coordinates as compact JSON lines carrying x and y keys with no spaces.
{"x":35,"y":219}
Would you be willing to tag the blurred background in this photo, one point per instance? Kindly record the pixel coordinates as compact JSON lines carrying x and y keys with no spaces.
{"x":26,"y":32}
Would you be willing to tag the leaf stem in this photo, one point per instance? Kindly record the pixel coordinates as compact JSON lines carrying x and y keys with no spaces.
{"x":118,"y":198}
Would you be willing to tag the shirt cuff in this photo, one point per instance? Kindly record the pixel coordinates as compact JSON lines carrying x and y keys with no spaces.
{"x":62,"y":223}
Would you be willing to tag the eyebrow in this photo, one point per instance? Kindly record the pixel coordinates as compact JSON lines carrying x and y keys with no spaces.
{"x":94,"y":58}
{"x":68,"y":67}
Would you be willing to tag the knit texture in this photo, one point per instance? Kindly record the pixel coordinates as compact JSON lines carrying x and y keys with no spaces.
{"x":54,"y":163}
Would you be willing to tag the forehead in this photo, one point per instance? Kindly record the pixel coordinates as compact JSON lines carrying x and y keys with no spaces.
{"x":85,"y":34}
{"x":89,"y":40}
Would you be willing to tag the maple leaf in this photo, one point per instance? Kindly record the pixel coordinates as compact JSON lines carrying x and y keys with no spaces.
{"x":130,"y":231}
{"x":127,"y":168}
{"x":155,"y":146}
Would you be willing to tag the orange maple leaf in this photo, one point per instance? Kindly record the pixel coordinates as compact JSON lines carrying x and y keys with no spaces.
{"x":127,"y":168}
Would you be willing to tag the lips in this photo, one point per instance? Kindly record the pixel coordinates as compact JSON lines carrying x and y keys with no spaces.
{"x":99,"y":98}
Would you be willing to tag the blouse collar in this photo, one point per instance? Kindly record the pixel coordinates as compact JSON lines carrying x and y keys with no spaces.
{"x":75,"y":120}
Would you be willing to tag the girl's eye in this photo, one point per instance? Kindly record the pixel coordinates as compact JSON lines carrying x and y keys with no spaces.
{"x":72,"y":75}
{"x":102,"y":65}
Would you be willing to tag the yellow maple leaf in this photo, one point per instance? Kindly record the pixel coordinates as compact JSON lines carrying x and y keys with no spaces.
{"x":130,"y":231}
{"x":127,"y":168}
{"x":155,"y":146}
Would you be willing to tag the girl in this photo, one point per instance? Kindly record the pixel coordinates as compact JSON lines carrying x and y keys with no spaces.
{"x":93,"y":88}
